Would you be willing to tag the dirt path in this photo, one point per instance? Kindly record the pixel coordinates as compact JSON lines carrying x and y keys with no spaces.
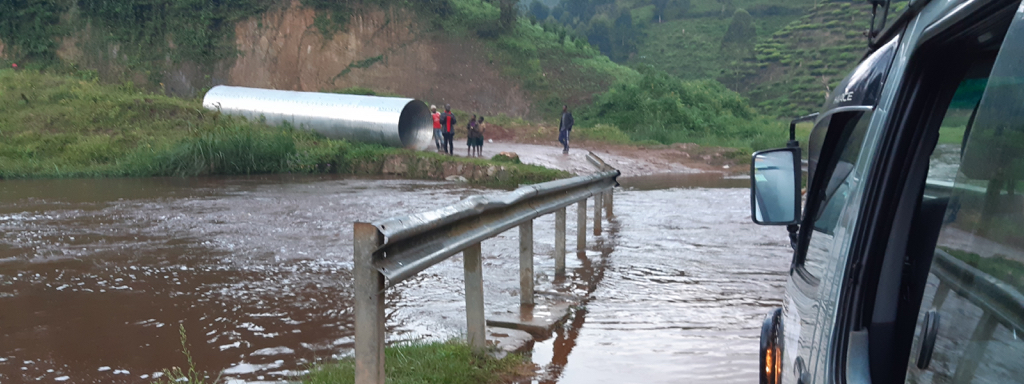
{"x":631,"y":160}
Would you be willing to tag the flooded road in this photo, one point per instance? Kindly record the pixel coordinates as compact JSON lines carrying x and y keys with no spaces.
{"x":97,"y":275}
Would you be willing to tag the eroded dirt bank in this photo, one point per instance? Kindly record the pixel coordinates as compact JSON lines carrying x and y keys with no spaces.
{"x":388,"y":50}
{"x":385,"y":50}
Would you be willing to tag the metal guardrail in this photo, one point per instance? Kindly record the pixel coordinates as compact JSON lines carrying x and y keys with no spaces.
{"x":400,"y":247}
{"x":1000,"y":303}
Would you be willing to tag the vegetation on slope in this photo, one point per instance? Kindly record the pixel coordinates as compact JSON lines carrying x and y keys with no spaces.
{"x":801,"y":63}
{"x":553,"y":63}
{"x":64,"y":126}
{"x":661,"y":108}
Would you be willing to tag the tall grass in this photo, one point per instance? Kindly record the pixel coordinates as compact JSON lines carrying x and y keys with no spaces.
{"x":63,"y":126}
{"x":235,"y":149}
{"x":450,"y":362}
{"x":189,"y":374}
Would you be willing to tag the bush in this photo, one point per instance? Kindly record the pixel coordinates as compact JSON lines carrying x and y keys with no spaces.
{"x":667,"y":110}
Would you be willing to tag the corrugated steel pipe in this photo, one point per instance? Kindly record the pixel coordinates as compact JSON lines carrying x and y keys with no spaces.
{"x":391,"y":121}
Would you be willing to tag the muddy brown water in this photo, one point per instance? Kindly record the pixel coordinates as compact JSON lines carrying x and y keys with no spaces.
{"x":97,"y":275}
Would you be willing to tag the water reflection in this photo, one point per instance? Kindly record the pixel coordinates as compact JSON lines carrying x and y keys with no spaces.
{"x":97,"y":275}
{"x":677,"y":296}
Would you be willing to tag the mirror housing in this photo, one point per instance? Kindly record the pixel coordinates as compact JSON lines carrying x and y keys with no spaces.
{"x":775,"y":177}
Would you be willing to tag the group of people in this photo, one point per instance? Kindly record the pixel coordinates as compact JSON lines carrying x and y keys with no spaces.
{"x":444,"y":132}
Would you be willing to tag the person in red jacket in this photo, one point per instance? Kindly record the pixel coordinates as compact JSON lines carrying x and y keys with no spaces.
{"x":448,"y":129}
{"x":436,"y":116}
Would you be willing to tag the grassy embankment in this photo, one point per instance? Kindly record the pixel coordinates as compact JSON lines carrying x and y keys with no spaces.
{"x":447,"y":362}
{"x":66,"y":126}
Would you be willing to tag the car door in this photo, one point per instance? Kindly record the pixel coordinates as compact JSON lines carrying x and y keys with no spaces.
{"x":970,"y":326}
{"x":835,"y":168}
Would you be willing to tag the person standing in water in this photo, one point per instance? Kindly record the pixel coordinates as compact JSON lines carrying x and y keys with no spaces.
{"x":564,"y":127}
{"x":470,"y":135}
{"x":448,"y":130}
{"x":436,"y":116}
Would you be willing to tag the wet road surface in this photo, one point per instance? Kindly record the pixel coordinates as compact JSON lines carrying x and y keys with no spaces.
{"x":97,"y":275}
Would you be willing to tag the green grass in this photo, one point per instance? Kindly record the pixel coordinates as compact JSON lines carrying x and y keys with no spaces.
{"x":449,"y":362}
{"x":800,"y":62}
{"x":189,"y":374}
{"x":1000,"y":267}
{"x":63,"y":126}
{"x":690,"y":48}
{"x":952,"y":135}
{"x":663,"y":109}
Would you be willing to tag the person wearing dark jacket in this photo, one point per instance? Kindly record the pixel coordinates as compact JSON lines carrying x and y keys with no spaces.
{"x":564,"y":127}
{"x":448,"y":129}
{"x":471,"y":136}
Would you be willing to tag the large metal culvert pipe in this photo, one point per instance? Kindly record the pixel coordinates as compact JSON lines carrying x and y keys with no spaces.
{"x":391,"y":121}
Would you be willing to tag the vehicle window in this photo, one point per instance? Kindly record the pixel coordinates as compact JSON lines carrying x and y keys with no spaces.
{"x":831,"y":195}
{"x":977,"y":276}
{"x":945,"y":160}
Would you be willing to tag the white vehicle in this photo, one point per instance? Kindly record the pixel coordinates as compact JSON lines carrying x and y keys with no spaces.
{"x":908,"y":258}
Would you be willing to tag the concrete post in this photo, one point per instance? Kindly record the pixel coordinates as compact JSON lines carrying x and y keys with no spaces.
{"x":475,"y":326}
{"x":581,"y":226}
{"x":369,"y":306}
{"x":597,"y":213}
{"x":608,"y":203}
{"x":560,"y":242}
{"x":968,"y":365}
{"x":941,"y":292}
{"x":526,"y":262}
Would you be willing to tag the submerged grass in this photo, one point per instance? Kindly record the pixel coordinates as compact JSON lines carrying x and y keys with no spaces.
{"x":55,"y":125}
{"x":450,"y":362}
{"x":189,"y":374}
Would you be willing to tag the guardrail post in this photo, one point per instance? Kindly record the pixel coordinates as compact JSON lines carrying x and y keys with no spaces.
{"x":581,"y":226}
{"x":475,"y":326}
{"x":597,"y":213}
{"x":369,"y":306}
{"x":975,"y":348}
{"x":526,"y":262}
{"x":608,"y":202}
{"x":940,"y":295}
{"x":560,"y":242}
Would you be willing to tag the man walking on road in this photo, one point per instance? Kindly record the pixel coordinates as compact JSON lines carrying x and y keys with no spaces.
{"x":436,"y":116}
{"x":448,"y":130}
{"x":564,"y":127}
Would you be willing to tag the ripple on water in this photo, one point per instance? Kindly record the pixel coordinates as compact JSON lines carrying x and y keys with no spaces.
{"x":257,"y":272}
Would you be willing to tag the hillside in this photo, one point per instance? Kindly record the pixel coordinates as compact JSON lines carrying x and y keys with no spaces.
{"x":691,"y":47}
{"x":461,"y":52}
{"x":798,"y":66}
{"x":801,"y":51}
{"x":784,"y":55}
{"x":473,"y":54}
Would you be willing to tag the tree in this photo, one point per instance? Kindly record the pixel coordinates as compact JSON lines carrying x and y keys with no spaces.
{"x":624,"y":34}
{"x":599,"y":34}
{"x":741,"y":36}
{"x":557,"y":11}
{"x":509,"y":13}
{"x":539,"y":10}
{"x":576,"y":8}
{"x":659,"y":8}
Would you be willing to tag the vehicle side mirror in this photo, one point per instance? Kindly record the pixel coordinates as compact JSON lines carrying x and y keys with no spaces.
{"x":775,"y":186}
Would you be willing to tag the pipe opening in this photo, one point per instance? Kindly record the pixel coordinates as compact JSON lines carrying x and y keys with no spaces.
{"x":415,"y":127}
